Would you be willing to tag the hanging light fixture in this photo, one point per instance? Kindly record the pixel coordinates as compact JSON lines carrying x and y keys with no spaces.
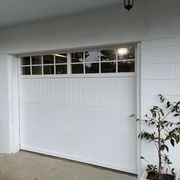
{"x":128,"y":4}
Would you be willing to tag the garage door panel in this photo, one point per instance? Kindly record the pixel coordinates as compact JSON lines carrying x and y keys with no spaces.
{"x":94,"y":133}
{"x":108,"y":92}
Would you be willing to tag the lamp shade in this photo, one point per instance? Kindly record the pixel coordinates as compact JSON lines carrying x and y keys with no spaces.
{"x":128,"y":4}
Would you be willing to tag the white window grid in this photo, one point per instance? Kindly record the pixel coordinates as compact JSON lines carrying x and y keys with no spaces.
{"x":69,"y":63}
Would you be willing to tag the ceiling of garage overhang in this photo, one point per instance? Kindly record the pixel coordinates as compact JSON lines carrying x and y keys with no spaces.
{"x":21,"y":11}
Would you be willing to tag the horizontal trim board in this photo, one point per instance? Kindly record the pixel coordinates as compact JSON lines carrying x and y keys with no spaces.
{"x":78,"y":49}
{"x":100,"y":75}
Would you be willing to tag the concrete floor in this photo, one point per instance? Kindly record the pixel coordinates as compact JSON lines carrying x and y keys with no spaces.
{"x":29,"y":166}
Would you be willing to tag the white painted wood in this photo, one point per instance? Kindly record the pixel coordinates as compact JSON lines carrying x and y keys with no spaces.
{"x":4,"y":115}
{"x":138,"y":102}
{"x":13,"y":103}
{"x":144,"y":175}
{"x":85,"y":119}
{"x":160,"y":74}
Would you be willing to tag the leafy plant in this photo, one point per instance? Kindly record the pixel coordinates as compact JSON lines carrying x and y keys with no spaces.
{"x":166,"y":132}
{"x":151,"y":168}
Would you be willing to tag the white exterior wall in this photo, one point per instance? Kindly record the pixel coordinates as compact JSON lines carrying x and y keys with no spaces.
{"x":13,"y":102}
{"x":160,"y":74}
{"x":143,"y":24}
{"x":146,"y":21}
{"x":9,"y":118}
{"x":4,"y":113}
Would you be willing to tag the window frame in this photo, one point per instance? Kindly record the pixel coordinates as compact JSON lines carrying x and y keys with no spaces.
{"x":69,"y":63}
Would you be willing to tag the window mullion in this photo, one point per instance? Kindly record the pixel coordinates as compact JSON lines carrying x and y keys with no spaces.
{"x":100,"y":62}
{"x":30,"y":65}
{"x":84,"y":62}
{"x":116,"y":61}
{"x":54,"y":65}
{"x":68,"y":63}
{"x":42,"y":65}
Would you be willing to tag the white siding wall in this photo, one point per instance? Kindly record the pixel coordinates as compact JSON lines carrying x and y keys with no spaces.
{"x":13,"y":102}
{"x":9,"y":118}
{"x":4,"y":111}
{"x":160,"y":74}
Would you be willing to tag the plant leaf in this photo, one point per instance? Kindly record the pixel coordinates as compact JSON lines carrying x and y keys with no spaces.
{"x":172,"y":142}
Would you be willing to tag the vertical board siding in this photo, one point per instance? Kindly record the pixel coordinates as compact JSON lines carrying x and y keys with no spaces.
{"x":85,"y":119}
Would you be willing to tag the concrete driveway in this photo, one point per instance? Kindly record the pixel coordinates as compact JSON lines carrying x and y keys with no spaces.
{"x":30,"y":166}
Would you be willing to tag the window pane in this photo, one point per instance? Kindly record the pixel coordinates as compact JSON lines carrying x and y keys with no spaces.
{"x":61,"y":69}
{"x":77,"y":68}
{"x":36,"y":60}
{"x":26,"y":70}
{"x":108,"y":67}
{"x":92,"y":67}
{"x":61,"y":58}
{"x":128,"y":66}
{"x":77,"y":57}
{"x":126,"y":53}
{"x":48,"y":59}
{"x":108,"y":55}
{"x":25,"y":61}
{"x":48,"y":69}
{"x":36,"y":70}
{"x":92,"y":56}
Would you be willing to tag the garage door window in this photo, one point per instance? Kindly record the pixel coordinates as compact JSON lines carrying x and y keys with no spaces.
{"x":25,"y":66}
{"x":103,"y":61}
{"x":36,"y":60}
{"x":60,"y":63}
{"x":92,"y":62}
{"x":77,"y":63}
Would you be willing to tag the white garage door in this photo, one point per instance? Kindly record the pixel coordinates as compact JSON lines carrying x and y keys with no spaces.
{"x":77,"y":106}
